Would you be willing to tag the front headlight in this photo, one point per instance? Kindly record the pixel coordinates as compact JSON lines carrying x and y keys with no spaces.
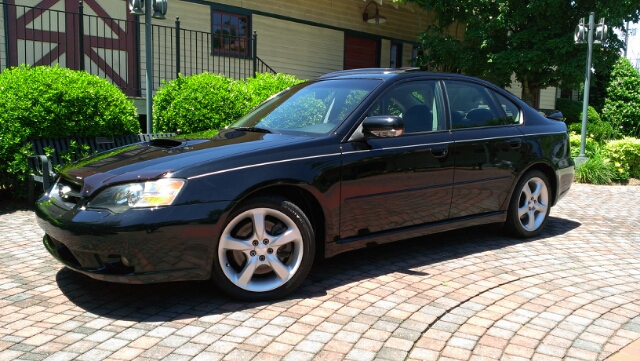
{"x":119,"y":198}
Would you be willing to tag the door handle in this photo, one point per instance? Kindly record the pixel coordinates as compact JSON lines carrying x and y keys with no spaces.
{"x":439,"y":152}
{"x":515,"y":143}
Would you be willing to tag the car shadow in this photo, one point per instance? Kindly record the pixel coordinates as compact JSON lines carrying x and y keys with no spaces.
{"x":166,"y":302}
{"x":8,"y":206}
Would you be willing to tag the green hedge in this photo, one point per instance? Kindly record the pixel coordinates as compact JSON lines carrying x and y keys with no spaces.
{"x":53,"y":102}
{"x":264,"y":85}
{"x":615,"y":161}
{"x":591,"y":147}
{"x":195,"y":103}
{"x":625,"y":155}
{"x":210,"y":101}
{"x":597,"y":129}
{"x":571,"y":110}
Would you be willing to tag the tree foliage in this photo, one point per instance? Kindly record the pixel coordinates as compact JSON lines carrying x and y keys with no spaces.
{"x":532,"y":39}
{"x":622,"y":103}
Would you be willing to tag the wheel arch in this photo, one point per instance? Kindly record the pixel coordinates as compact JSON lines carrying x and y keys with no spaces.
{"x":304,"y":199}
{"x":548,"y":171}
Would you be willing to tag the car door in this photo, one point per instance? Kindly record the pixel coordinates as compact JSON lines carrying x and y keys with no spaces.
{"x":488,"y":148}
{"x":403,"y":181}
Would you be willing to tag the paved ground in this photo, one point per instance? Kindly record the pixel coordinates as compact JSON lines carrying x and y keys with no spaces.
{"x":573,"y":293}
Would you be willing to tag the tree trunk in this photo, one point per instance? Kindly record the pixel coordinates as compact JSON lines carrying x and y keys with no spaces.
{"x":529,"y":93}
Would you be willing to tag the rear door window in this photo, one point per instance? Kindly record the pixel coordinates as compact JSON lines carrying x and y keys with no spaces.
{"x":472,"y":105}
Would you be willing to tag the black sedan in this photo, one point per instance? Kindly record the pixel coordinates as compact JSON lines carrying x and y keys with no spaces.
{"x":352,"y":159}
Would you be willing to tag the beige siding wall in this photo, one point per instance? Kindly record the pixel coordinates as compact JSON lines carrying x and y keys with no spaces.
{"x":192,"y":16}
{"x":548,"y":98}
{"x":402,"y":23}
{"x":302,"y":50}
{"x":385,"y":53}
{"x":407,"y":52}
{"x":515,"y":88}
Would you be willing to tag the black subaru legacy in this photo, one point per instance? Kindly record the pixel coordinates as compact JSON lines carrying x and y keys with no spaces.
{"x":350,"y":159}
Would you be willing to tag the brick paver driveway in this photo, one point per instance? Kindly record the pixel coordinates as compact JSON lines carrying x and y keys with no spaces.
{"x":572,"y":293}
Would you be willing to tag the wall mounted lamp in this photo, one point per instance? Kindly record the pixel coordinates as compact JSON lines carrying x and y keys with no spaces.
{"x":375,"y":19}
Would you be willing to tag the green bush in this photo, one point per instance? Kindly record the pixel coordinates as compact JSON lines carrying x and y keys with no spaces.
{"x":209,"y":101}
{"x":591,"y":147}
{"x":625,"y":155}
{"x":53,"y":102}
{"x":265,"y":85}
{"x":622,"y":104}
{"x":596,"y":128}
{"x":571,"y":110}
{"x":199,"y":102}
{"x":596,"y":170}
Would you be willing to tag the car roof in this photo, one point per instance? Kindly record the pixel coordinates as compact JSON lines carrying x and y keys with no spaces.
{"x":388,"y":73}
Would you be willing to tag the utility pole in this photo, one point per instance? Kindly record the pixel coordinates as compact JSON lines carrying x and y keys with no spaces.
{"x":145,"y":7}
{"x":626,"y":40}
{"x":579,"y":37}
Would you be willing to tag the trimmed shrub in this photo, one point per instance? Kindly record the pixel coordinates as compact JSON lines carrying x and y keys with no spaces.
{"x":199,"y":102}
{"x":622,"y":105}
{"x":265,"y":85}
{"x":597,"y":169}
{"x":53,"y":102}
{"x":596,"y":128}
{"x":571,"y":110}
{"x":591,"y":147}
{"x":208,"y":101}
{"x":625,"y":155}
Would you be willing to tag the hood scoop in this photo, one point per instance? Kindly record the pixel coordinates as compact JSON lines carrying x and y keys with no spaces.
{"x":165,"y":143}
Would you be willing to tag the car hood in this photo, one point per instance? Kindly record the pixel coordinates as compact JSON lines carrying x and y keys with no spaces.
{"x":175,"y":158}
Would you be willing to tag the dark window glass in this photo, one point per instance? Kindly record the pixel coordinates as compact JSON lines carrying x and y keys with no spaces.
{"x":510,"y":109}
{"x":230,"y":33}
{"x":471,"y":105}
{"x":418,"y":103}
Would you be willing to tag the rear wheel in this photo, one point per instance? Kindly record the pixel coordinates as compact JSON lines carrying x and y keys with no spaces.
{"x":265,"y":250}
{"x":530,"y":205}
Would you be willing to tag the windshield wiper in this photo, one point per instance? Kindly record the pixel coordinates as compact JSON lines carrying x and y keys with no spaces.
{"x":253,"y":129}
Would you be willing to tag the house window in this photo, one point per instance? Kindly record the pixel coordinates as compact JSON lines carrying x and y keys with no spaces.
{"x":230,"y":33}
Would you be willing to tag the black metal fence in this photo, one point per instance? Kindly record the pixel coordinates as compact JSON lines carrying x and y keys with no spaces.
{"x":111,"y":48}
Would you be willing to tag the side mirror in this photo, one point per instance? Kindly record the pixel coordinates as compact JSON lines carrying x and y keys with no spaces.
{"x":556,"y":115}
{"x":383,"y":126}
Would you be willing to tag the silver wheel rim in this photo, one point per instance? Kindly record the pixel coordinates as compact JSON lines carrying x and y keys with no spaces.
{"x":533,"y":204}
{"x":260,"y":249}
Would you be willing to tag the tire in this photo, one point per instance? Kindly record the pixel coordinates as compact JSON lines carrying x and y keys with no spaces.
{"x":529,"y":206}
{"x":265,"y":251}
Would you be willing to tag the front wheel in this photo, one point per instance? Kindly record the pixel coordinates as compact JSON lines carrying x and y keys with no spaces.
{"x":529,"y":207}
{"x":265,"y":250}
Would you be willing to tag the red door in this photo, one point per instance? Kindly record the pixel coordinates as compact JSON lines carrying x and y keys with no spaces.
{"x":361,"y":52}
{"x":47,"y":33}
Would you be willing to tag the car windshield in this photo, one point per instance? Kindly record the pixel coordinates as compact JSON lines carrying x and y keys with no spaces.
{"x":312,"y":107}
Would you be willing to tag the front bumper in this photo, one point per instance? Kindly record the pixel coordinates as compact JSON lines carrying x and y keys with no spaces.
{"x":143,"y":245}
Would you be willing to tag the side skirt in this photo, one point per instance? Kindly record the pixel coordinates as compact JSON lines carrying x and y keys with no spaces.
{"x":352,"y":243}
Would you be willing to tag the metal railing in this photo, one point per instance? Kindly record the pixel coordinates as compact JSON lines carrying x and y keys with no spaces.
{"x":110,"y":48}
